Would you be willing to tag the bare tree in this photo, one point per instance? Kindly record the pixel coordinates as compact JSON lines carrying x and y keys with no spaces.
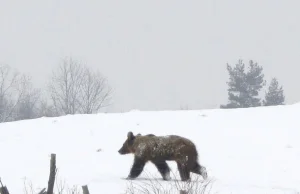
{"x":46,"y":109}
{"x":95,"y":92}
{"x":12,"y":91}
{"x":8,"y":82}
{"x":75,"y":89}
{"x":27,"y":107}
{"x":65,"y":87}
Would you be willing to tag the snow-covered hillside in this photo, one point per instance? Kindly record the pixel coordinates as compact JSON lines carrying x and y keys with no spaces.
{"x":255,"y":150}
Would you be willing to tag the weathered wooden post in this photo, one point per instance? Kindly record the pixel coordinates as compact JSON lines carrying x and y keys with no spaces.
{"x":3,"y":189}
{"x":85,"y":189}
{"x":52,"y":174}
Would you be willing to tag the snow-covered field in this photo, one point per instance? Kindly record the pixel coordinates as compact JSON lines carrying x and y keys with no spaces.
{"x":255,"y":150}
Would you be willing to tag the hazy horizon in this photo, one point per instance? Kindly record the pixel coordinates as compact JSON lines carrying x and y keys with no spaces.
{"x":157,"y":55}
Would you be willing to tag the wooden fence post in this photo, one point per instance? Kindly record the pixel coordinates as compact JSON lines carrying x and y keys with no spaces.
{"x":183,"y":192}
{"x":52,"y":174}
{"x":3,"y":189}
{"x":85,"y":189}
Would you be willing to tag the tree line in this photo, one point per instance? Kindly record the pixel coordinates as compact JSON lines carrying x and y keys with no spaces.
{"x":245,"y":86}
{"x":73,"y":88}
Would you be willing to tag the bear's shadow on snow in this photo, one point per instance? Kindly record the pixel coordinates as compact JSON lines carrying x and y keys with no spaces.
{"x":162,"y":180}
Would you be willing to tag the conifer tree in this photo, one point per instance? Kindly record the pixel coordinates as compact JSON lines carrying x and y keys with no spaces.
{"x":244,"y":86}
{"x":275,"y":94}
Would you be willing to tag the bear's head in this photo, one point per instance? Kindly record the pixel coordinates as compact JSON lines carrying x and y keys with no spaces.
{"x":127,"y":147}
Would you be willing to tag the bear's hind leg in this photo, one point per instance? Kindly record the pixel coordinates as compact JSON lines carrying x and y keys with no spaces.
{"x":163,"y":168}
{"x":136,"y":168}
{"x":183,"y":172}
{"x":201,"y":170}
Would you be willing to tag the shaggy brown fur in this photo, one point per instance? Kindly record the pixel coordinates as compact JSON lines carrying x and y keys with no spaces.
{"x":158,"y":150}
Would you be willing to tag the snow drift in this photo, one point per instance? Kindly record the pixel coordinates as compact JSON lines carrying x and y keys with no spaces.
{"x":254,"y":150}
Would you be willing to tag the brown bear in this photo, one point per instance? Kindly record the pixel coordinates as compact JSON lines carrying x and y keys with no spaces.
{"x":158,"y":150}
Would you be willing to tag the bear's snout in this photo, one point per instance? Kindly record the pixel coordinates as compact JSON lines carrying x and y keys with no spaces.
{"x":121,"y":151}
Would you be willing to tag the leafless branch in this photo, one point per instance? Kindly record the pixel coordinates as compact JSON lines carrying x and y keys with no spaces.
{"x":155,"y":186}
{"x":74,"y":88}
{"x":12,"y":90}
{"x":95,"y":92}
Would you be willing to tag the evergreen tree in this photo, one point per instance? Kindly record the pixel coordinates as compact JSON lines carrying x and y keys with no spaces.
{"x":244,"y":86}
{"x":275,"y":94}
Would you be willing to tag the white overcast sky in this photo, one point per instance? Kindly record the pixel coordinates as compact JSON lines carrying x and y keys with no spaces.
{"x":157,"y":55}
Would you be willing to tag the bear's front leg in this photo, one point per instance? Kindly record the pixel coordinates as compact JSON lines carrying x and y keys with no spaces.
{"x":163,"y":168}
{"x":137,"y":168}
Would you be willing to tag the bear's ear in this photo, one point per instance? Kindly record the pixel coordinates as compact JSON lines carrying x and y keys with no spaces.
{"x":130,"y":135}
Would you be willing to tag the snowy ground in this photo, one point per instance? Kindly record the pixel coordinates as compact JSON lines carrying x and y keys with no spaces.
{"x":253,"y":150}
